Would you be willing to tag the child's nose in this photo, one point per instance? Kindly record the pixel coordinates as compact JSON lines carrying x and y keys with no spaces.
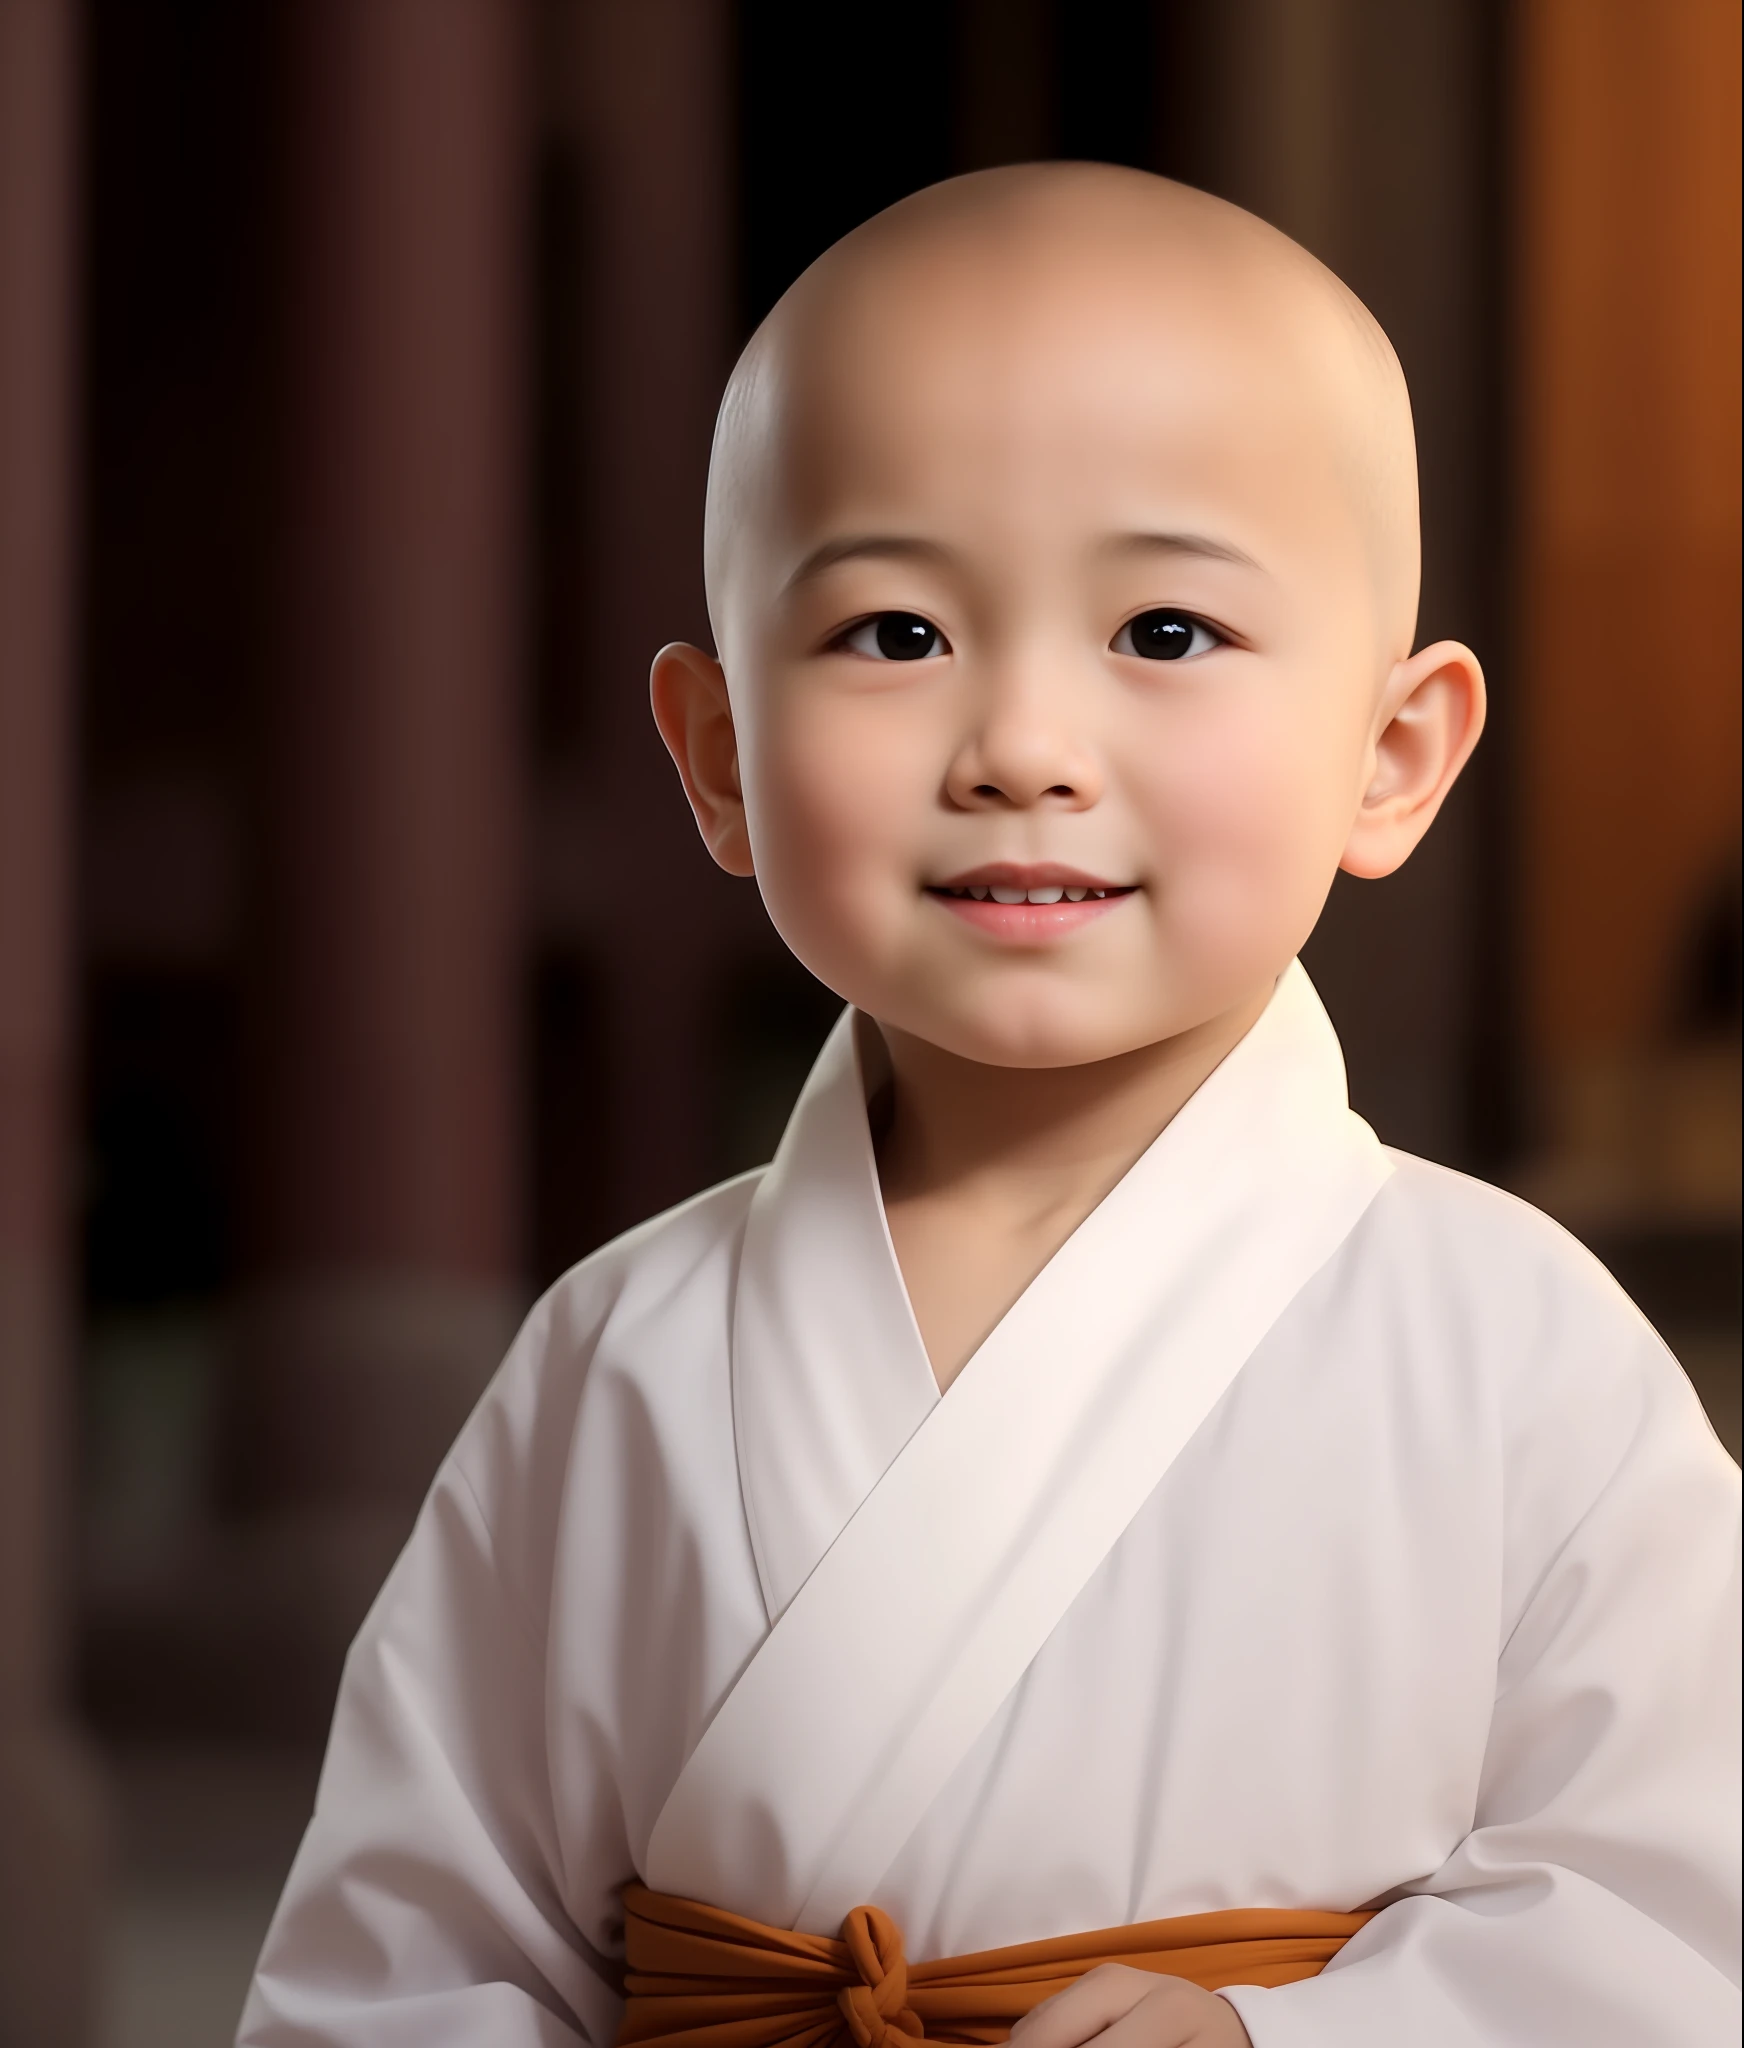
{"x":1023,"y":752}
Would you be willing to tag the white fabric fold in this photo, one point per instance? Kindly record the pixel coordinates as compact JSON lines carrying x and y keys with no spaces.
{"x":911,"y":1600}
{"x":1439,"y":1605}
{"x":830,"y":1376}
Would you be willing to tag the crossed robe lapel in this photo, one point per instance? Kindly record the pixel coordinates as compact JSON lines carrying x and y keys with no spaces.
{"x":830,"y":1376}
{"x":908,"y":1597}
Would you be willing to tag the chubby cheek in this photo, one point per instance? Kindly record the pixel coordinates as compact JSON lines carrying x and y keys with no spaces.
{"x":1248,"y":817}
{"x":837,"y":802}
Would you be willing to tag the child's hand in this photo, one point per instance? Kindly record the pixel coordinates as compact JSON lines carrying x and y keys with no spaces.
{"x":1132,"y":2009}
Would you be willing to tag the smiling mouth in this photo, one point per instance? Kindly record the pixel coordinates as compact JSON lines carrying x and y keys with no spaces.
{"x":1042,"y":885}
{"x":1046,"y":893}
{"x":1027,"y":908}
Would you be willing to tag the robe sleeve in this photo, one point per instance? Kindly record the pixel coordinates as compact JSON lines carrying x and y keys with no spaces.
{"x":425,"y":1906}
{"x":1595,"y":1902}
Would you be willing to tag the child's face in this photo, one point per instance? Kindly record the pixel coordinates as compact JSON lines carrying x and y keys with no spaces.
{"x":1059,"y":591}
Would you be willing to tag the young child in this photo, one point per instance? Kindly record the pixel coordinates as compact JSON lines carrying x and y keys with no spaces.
{"x":1086,"y":1500}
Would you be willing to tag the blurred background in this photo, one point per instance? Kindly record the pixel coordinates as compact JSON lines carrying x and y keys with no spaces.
{"x":359,"y":965}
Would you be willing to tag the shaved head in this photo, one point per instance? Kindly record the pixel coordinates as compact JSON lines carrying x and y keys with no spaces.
{"x":1041,"y":263}
{"x":1062,"y":537}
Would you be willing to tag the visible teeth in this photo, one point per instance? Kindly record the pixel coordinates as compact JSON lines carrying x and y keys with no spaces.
{"x":1052,"y":893}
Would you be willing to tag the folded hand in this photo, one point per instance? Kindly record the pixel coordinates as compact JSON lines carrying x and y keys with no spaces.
{"x":1125,"y":2008}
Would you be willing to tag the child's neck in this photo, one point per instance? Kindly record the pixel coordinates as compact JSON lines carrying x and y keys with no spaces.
{"x":986,"y":1171}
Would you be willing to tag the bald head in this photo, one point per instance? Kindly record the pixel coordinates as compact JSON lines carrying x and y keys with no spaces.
{"x":1008,"y":318}
{"x":1062,"y":536}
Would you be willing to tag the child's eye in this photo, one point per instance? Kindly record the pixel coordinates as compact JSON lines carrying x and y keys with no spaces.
{"x":896,"y":636}
{"x":1165,"y":636}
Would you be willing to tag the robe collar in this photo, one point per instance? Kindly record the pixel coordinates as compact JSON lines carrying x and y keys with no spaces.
{"x":977,"y":1517}
{"x":830,"y":1375}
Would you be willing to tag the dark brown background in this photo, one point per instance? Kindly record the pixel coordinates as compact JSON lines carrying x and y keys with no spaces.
{"x":359,"y":966}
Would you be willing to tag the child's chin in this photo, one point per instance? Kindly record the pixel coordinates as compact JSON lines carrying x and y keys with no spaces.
{"x":1005,"y":1036}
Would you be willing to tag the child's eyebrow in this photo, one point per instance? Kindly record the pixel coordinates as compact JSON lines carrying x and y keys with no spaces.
{"x":912,"y":547}
{"x":863,"y":546}
{"x":1177,"y":544}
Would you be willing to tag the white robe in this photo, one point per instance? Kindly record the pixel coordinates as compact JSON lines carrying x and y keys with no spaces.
{"x":1320,"y":1529}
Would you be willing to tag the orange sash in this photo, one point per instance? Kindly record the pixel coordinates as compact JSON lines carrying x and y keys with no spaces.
{"x":697,"y":1977}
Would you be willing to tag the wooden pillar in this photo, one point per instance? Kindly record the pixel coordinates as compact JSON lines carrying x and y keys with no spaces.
{"x":1370,"y":132}
{"x":1628,"y":297}
{"x":1006,"y":83}
{"x":49,"y":1813}
{"x":647,"y":104}
{"x":386,"y":1228}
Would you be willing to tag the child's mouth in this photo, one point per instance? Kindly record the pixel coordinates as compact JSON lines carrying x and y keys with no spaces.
{"x":1027,"y":911}
{"x":985,"y":892}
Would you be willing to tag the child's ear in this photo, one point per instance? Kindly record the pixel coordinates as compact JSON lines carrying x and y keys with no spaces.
{"x":1429,"y":718}
{"x":689,"y":692}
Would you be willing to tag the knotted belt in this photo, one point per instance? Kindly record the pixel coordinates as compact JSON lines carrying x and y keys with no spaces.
{"x":697,"y":1977}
